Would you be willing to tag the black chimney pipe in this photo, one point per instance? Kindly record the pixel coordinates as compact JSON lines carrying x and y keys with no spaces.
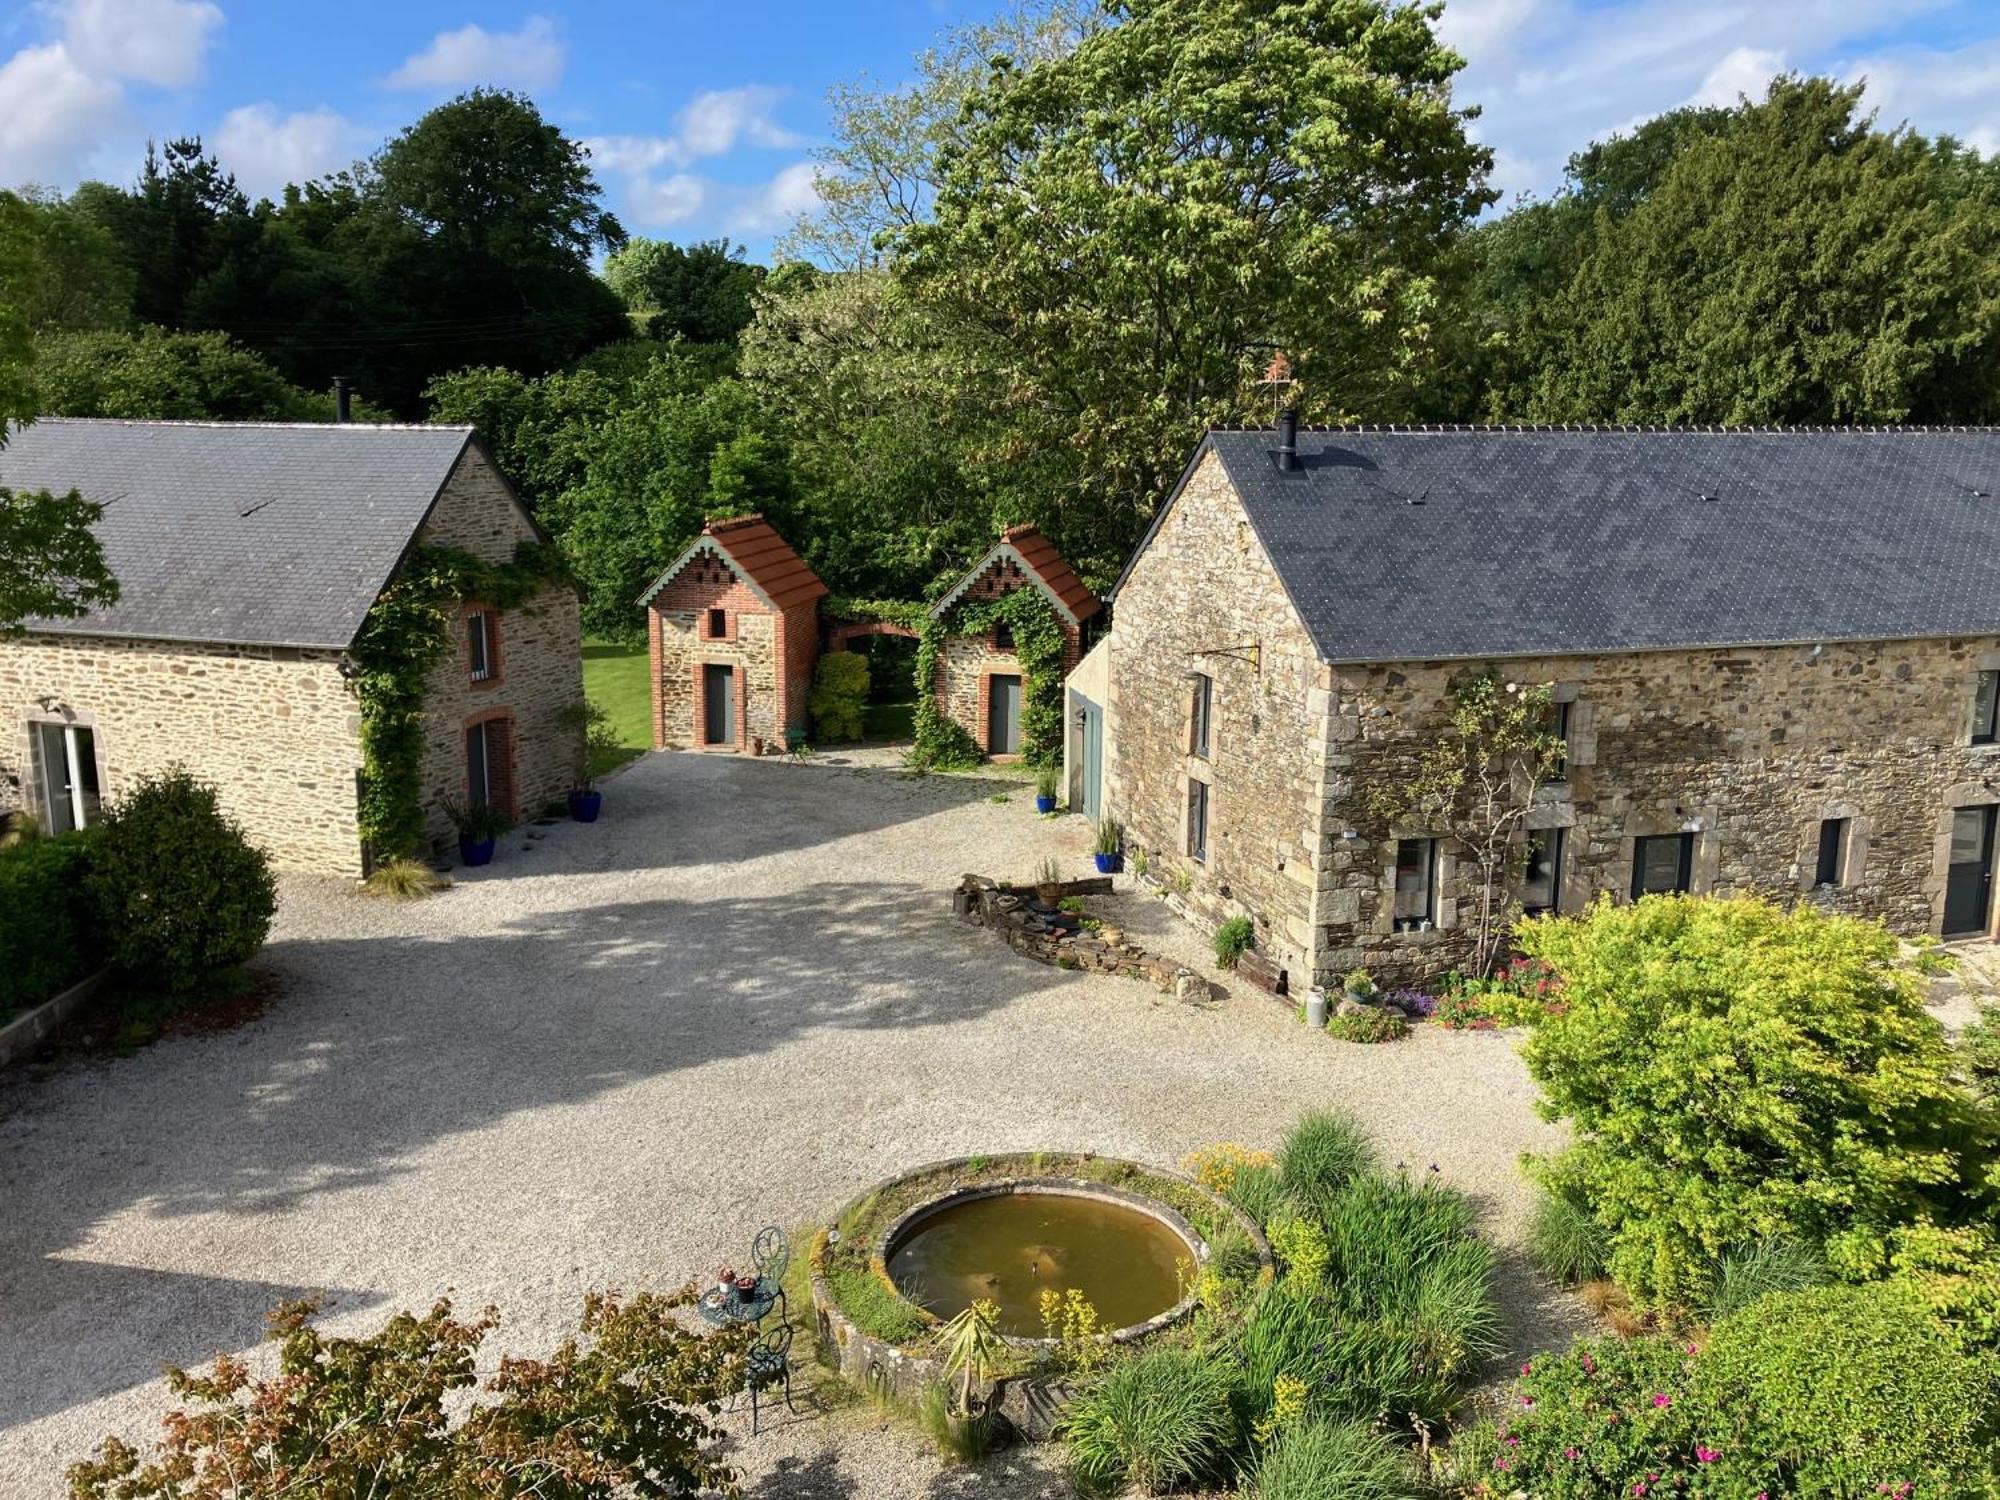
{"x":1288,"y":440}
{"x":341,"y":412}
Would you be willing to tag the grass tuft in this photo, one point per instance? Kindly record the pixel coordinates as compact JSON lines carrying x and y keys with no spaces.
{"x":1565,"y":1240}
{"x":405,"y":880}
{"x":1161,"y":1420}
{"x":1765,"y":1266}
{"x":1325,"y":1151}
{"x":1324,"y":1460}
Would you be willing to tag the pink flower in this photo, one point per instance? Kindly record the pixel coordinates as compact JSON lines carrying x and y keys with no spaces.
{"x":1513,"y":1442}
{"x":1639,"y":1488}
{"x":1661,"y":1398}
{"x":1528,"y":1368}
{"x":1691,"y":1348}
{"x":1527,"y":1400}
{"x":1705,"y":1455}
{"x":1502,"y":1465}
{"x":1589,"y":1364}
{"x":1569,"y":1453}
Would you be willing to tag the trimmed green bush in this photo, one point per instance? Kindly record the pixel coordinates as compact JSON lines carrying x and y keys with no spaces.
{"x":1325,"y":1151}
{"x":1159,"y":1420}
{"x":48,"y":938}
{"x":180,"y":892}
{"x":1565,"y":1240}
{"x":1757,"y":1270}
{"x":839,"y":696}
{"x":1735,"y":1071}
{"x":1233,"y":939}
{"x":1333,"y":1461}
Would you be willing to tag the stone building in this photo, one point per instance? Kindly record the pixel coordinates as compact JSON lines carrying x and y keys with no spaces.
{"x":733,"y":627}
{"x":981,"y":683}
{"x":248,"y":556}
{"x":1775,"y":660}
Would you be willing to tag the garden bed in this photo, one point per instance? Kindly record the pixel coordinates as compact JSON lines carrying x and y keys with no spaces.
{"x":1069,"y":937}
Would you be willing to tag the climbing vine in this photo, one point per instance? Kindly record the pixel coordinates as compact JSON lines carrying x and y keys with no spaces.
{"x":408,"y":631}
{"x":941,"y":742}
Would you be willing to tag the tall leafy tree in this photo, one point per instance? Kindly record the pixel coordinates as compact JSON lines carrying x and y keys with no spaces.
{"x":1199,"y":183}
{"x":1800,"y":266}
{"x":701,"y":293}
{"x":155,"y":375}
{"x":69,"y":275}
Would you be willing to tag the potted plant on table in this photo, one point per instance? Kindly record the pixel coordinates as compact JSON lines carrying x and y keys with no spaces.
{"x":1110,"y":850}
{"x":592,"y":725}
{"x":478,"y":825}
{"x":1048,"y":781}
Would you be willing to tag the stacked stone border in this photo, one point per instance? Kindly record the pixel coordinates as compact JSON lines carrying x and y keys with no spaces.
{"x":1007,"y":910}
{"x":1033,"y":1403}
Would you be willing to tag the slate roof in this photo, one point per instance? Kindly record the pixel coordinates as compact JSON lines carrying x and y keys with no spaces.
{"x":1424,"y":544}
{"x":1040,"y":560}
{"x":761,"y":558}
{"x":243,"y":533}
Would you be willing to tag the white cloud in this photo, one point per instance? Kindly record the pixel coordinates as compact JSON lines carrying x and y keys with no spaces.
{"x":266,"y":149}
{"x":161,"y":42}
{"x":530,"y":58}
{"x":1745,"y":73}
{"x":779,"y":202}
{"x":655,"y":203}
{"x":1955,"y":93}
{"x":53,"y":116}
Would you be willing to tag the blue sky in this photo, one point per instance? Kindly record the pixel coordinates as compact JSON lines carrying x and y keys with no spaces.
{"x":703,"y":115}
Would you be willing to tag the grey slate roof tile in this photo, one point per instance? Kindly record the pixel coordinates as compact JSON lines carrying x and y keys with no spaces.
{"x":1546,"y":541}
{"x":242,"y":533}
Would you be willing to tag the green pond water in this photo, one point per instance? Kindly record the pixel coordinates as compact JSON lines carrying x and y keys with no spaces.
{"x":1008,"y":1248}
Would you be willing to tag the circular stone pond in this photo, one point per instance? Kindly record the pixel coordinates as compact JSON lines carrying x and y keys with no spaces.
{"x":1010,"y":1245}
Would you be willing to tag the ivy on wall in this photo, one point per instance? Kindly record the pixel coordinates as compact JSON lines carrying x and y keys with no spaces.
{"x":943,"y":743}
{"x":409,"y":631}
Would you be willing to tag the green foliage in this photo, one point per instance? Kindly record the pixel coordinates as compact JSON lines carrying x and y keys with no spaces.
{"x":972,"y":1349}
{"x":1321,"y":1155}
{"x":1981,"y":1044}
{"x":154,"y":374}
{"x":874,"y":1305}
{"x":1107,"y":837}
{"x":839,"y":696}
{"x":1292,"y":174}
{"x":1735,"y":1072}
{"x":1159,"y":1420}
{"x":702,"y":293}
{"x":1756,"y":1270}
{"x":407,"y":632}
{"x":1832,"y":1391}
{"x":1370,"y":1024}
{"x":1069,"y":1319}
{"x":1259,"y":1191}
{"x":1301,"y":1248}
{"x":48,"y":931}
{"x":406,"y":880}
{"x":180,"y":893}
{"x":598,"y":740}
{"x":59,"y":269}
{"x":51,"y":563}
{"x":1233,"y":939}
{"x":476,"y":821}
{"x":1333,"y":1461}
{"x":623,"y":1407}
{"x":1564,"y":1239}
{"x":941,"y":742}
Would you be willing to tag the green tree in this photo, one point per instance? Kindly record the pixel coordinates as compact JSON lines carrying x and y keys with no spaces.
{"x":1800,"y":266}
{"x":156,"y":375}
{"x":67,"y":275}
{"x":701,"y":293}
{"x":1145,"y":219}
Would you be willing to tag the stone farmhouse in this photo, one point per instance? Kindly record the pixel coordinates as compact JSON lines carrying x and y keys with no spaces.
{"x":981,"y":682}
{"x":248,"y":556}
{"x":1775,"y":657}
{"x":733,"y":625}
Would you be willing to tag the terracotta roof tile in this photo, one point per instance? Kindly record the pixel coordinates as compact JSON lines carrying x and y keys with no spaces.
{"x":763,"y":558}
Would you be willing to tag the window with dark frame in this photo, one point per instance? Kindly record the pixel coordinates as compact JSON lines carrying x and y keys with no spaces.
{"x":479,"y":644}
{"x":1541,"y":879}
{"x":1003,"y":636}
{"x":1197,"y":822}
{"x":1832,"y":851}
{"x":478,"y":768}
{"x":1558,"y":725}
{"x":1416,"y":883}
{"x":1204,"y":708}
{"x":1662,"y":864}
{"x":718,"y":624}
{"x":1986,"y":709}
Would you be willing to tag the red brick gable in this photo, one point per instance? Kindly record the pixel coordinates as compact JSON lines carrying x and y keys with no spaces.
{"x":1024,"y":555}
{"x":757,"y":555}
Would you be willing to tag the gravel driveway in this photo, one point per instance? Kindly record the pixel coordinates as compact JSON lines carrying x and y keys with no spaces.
{"x":612,"y":1055}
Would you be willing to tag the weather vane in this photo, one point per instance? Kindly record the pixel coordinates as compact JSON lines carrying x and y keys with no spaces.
{"x":1278,"y":376}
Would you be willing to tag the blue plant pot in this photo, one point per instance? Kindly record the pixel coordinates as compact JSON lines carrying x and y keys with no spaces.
{"x":480,"y":853}
{"x":1045,"y":804}
{"x":1109,"y":864}
{"x":584,"y":806}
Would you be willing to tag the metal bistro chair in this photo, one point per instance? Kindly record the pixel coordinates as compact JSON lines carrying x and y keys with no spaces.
{"x":769,"y":1363}
{"x":771,"y":1254}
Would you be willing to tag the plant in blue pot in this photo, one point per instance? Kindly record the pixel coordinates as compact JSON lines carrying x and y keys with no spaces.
{"x":1048,"y":781}
{"x":1110,"y":846}
{"x":479,"y":824}
{"x":599,"y":749}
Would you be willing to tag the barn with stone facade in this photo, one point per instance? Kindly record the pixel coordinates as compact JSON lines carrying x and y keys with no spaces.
{"x":1774,"y":655}
{"x":248,"y":556}
{"x":981,"y":683}
{"x":733,"y":627}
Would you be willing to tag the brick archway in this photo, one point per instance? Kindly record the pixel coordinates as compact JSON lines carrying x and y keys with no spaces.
{"x":837,"y":636}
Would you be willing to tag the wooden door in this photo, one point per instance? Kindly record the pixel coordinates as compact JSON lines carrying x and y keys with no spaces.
{"x":1003,"y":715}
{"x":718,"y":687}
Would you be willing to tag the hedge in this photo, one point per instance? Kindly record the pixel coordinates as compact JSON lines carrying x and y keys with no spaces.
{"x":48,"y":938}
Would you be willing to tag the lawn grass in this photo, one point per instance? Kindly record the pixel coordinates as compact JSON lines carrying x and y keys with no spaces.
{"x":889,"y":721}
{"x":614,"y":678}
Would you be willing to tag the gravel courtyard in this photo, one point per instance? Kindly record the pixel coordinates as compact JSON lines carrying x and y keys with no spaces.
{"x":608,"y":1059}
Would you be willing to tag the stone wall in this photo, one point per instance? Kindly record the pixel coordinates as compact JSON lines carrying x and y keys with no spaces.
{"x":276,"y":730}
{"x":750,"y":643}
{"x":1203,"y":597}
{"x":1748,"y":749}
{"x":539,"y":662}
{"x":966,"y":662}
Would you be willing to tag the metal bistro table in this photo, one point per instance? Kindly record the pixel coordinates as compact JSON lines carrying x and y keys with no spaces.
{"x":723,"y":1308}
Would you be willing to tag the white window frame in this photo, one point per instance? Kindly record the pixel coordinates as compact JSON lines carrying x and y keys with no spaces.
{"x":1430,"y":889}
{"x":479,"y":660}
{"x":1201,"y":728}
{"x":72,"y":769}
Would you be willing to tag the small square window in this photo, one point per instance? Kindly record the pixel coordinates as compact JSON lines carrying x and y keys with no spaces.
{"x":479,"y":644}
{"x":1541,"y":879}
{"x":1986,"y":709}
{"x":718,"y":624}
{"x":1832,"y":852}
{"x":1203,"y":711}
{"x":1003,"y":636}
{"x":1416,"y":883}
{"x":1197,"y":821}
{"x":1662,"y":864}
